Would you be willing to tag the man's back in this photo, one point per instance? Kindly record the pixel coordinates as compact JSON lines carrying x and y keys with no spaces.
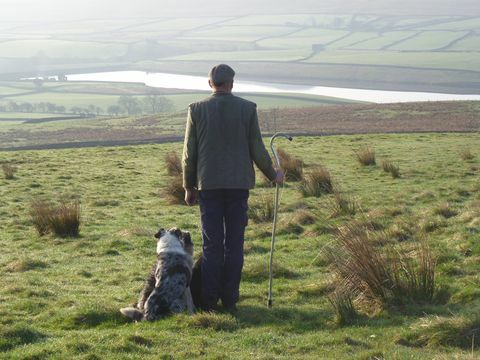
{"x":225,"y":139}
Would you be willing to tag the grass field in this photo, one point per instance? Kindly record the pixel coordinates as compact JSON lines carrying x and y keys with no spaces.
{"x":60,"y":296}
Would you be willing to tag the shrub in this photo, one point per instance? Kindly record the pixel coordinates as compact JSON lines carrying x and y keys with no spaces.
{"x":466,"y":154}
{"x":174,"y":191}
{"x":389,"y":167}
{"x":386,"y":277}
{"x":63,"y":220}
{"x":366,"y":156}
{"x":9,"y":171}
{"x":261,"y":209}
{"x":173,"y":164}
{"x":317,"y":182}
{"x":292,"y":166}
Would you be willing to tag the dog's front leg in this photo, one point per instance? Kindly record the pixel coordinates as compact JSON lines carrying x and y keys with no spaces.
{"x":187,"y":295}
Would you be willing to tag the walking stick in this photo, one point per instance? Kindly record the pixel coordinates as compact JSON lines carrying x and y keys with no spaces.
{"x":277,"y":188}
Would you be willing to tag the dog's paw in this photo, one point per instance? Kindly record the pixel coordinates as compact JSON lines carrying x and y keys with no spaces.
{"x":132,"y":313}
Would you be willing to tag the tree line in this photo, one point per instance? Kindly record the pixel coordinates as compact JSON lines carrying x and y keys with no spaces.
{"x":125,"y":105}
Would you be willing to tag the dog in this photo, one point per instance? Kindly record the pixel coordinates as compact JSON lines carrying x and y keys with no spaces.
{"x":167,"y":288}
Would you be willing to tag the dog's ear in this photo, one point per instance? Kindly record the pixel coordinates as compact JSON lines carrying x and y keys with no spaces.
{"x":177,"y":232}
{"x":160,"y":233}
{"x":187,"y":238}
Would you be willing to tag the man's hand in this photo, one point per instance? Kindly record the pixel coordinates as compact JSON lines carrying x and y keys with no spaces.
{"x":191,"y":196}
{"x":280,"y":177}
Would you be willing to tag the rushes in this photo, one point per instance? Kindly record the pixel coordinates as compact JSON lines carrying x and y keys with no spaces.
{"x":174,"y":191}
{"x":317,"y":182}
{"x":292,"y":166}
{"x":63,"y":220}
{"x":261,"y":209}
{"x":366,"y":156}
{"x":173,"y":164}
{"x":381,"y":276}
{"x":389,"y":167}
{"x":466,"y":154}
{"x":9,"y":171}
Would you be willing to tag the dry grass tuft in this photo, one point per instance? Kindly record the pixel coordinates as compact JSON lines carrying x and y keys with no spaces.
{"x":63,"y":219}
{"x":343,"y":205}
{"x":260,"y":209}
{"x":445,"y":210}
{"x":434,"y":331}
{"x":9,"y":171}
{"x":174,"y":192}
{"x":25,"y":265}
{"x":389,"y":167}
{"x":342,"y":303}
{"x":381,"y":276}
{"x":173,"y":164}
{"x":292,"y":166}
{"x":366,"y":156}
{"x":466,"y":154}
{"x":211,"y":320}
{"x":317,"y":182}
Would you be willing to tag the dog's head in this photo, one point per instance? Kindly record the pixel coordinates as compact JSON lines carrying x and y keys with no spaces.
{"x":173,"y":238}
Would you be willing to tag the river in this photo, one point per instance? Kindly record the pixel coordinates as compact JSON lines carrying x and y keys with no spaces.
{"x":188,"y":82}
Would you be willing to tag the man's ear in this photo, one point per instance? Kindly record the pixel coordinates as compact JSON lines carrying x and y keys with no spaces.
{"x":210,"y":83}
{"x":160,"y":233}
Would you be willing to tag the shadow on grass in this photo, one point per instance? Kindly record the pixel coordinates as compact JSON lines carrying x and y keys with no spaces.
{"x":103,"y":318}
{"x":19,"y":336}
{"x":288,"y":319}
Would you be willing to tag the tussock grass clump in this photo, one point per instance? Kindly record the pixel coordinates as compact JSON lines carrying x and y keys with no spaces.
{"x":343,"y":204}
{"x":342,"y":303}
{"x":260,"y":209}
{"x":25,"y":265}
{"x":389,"y":167}
{"x":173,"y":164}
{"x":292,"y":166}
{"x":317,"y":182}
{"x":466,"y":154}
{"x":9,"y":171}
{"x":210,"y":320}
{"x":258,"y":271}
{"x":445,"y":210}
{"x":174,"y":192}
{"x":385,"y":275}
{"x":366,"y":156}
{"x":41,"y":212}
{"x":63,"y":219}
{"x":458,"y":331}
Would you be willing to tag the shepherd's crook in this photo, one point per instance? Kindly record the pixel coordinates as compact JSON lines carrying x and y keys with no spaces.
{"x":277,"y":187}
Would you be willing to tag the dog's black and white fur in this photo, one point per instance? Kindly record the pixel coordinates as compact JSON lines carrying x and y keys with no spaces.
{"x":167,"y":288}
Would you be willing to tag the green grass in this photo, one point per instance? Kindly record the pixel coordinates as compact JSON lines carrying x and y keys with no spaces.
{"x":60,"y":297}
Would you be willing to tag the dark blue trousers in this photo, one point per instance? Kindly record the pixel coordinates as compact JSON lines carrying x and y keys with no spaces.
{"x":224,"y":218}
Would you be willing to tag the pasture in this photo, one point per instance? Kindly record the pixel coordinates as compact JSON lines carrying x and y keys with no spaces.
{"x":60,"y":296}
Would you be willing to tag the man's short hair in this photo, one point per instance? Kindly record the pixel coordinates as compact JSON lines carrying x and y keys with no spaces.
{"x":221,"y":74}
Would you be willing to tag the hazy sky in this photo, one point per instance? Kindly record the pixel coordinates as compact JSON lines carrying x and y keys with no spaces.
{"x":17,"y":10}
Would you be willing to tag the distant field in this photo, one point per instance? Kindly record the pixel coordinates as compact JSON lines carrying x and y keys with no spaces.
{"x":383,"y":42}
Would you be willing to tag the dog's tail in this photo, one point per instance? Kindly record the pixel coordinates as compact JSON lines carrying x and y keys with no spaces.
{"x":132,"y":313}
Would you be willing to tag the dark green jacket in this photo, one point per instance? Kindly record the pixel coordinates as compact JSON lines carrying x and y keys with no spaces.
{"x":222,"y":141}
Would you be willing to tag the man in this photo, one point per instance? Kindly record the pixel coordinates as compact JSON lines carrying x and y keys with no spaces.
{"x":222,"y":140}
